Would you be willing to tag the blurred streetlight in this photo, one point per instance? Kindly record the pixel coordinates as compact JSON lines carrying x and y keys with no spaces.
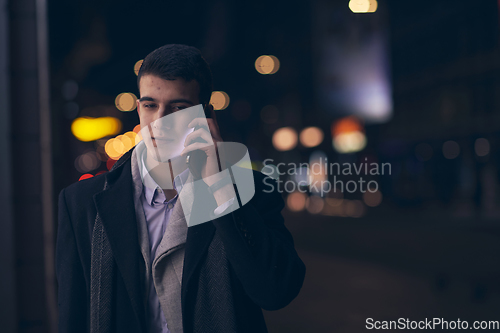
{"x":285,"y":139}
{"x":267,"y":64}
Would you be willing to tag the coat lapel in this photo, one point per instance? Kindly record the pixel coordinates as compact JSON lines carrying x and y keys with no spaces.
{"x":115,"y":205}
{"x":197,"y":241}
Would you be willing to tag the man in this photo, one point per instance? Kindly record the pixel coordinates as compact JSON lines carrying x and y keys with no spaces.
{"x":127,"y":260}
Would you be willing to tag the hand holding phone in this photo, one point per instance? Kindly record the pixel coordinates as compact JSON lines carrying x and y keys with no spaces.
{"x":196,"y":159}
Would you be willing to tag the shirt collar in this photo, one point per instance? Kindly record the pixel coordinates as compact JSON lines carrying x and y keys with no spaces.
{"x":149,"y":185}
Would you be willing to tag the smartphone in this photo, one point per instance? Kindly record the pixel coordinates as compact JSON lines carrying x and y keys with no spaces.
{"x":196,"y":158}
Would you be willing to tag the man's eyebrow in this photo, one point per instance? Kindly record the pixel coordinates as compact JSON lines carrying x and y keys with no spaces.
{"x":146,"y":98}
{"x":181,"y":100}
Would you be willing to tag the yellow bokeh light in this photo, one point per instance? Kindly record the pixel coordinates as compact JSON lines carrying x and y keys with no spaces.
{"x":267,"y":64}
{"x":126,"y":102}
{"x":311,"y":137}
{"x":138,"y":138}
{"x":128,"y":140}
{"x":137,"y":66}
{"x":91,"y":129}
{"x":285,"y":138}
{"x":219,"y":100}
{"x":110,"y":149}
{"x":363,"y":6}
{"x":137,"y":129}
{"x":296,"y":201}
{"x":131,"y":135}
{"x":118,"y":145}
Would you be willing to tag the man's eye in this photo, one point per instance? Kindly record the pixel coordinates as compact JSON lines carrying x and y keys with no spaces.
{"x":178,"y":107}
{"x":149,"y":106}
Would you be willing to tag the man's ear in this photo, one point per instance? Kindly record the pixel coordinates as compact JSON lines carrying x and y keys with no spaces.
{"x":138,"y":107}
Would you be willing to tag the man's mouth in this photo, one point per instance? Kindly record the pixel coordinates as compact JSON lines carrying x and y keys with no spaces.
{"x":162,"y":139}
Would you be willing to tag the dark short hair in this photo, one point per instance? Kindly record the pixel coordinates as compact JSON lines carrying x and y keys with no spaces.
{"x":173,"y":61}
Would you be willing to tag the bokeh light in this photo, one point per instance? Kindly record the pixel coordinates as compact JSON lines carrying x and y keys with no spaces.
{"x":110,"y":163}
{"x":296,"y":201}
{"x":116,"y":147}
{"x":349,"y":142}
{"x":372,"y":199}
{"x":333,"y":207}
{"x":219,"y":100}
{"x":354,"y":208}
{"x":348,"y":135}
{"x":311,"y":136}
{"x":126,"y":102}
{"x":317,"y":172}
{"x":314,"y":204}
{"x":363,"y":6}
{"x":111,"y":150}
{"x":137,"y":66}
{"x":285,"y":139}
{"x":87,"y":162}
{"x":128,"y":142}
{"x":451,"y":149}
{"x":301,"y":176}
{"x":86,"y":176}
{"x":482,"y":147}
{"x":267,"y":64}
{"x":91,"y":129}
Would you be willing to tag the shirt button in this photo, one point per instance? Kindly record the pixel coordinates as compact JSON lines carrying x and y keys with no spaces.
{"x":159,"y":190}
{"x":170,"y":206}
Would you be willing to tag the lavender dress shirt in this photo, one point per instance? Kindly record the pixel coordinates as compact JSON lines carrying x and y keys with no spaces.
{"x":157,"y":213}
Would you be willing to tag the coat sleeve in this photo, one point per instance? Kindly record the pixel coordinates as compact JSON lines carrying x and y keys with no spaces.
{"x":261,"y":249}
{"x":72,"y":291}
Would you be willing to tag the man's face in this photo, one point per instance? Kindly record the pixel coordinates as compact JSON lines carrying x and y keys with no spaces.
{"x":159,"y":99}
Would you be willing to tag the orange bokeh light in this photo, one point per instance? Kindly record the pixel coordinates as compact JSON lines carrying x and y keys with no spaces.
{"x":347,"y":125}
{"x":296,"y":201}
{"x":285,"y":139}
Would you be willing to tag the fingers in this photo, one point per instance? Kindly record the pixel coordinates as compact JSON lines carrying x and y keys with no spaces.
{"x":200,"y":122}
{"x":207,"y":148}
{"x":199,"y":133}
{"x":213,"y":127}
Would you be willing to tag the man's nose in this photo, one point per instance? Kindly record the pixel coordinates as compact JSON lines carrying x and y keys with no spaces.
{"x":161,"y":119}
{"x":162,"y":112}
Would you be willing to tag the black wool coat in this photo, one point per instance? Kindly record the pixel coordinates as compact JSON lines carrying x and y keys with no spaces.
{"x":265,"y":270}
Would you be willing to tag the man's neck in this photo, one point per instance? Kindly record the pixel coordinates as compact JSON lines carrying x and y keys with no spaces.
{"x":164,"y":173}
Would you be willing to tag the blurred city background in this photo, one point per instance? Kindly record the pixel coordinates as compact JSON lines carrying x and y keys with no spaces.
{"x":414,"y":85}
